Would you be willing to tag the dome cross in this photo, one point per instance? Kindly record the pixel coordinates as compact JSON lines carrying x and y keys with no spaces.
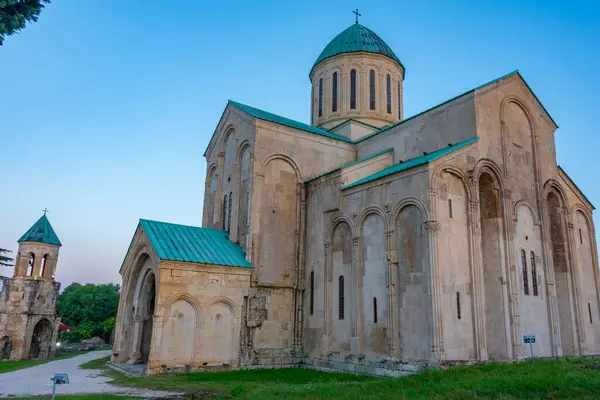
{"x":357,"y":15}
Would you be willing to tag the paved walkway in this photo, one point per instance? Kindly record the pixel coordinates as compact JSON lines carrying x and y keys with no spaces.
{"x":36,"y":381}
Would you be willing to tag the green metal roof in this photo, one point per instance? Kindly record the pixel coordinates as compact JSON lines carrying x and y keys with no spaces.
{"x":175,"y":242}
{"x":354,"y":39}
{"x":415,"y":162}
{"x":267,"y":116}
{"x":41,"y":232}
{"x":350,"y":164}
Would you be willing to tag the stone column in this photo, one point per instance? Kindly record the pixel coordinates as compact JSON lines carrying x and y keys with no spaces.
{"x":513,"y":276}
{"x":550,"y":281}
{"x":478,"y":284}
{"x":219,"y":197}
{"x":154,"y":358}
{"x":37,"y":264}
{"x":255,"y":226}
{"x":578,"y":321}
{"x":356,"y":296}
{"x":136,"y":341}
{"x":300,"y":268}
{"x":391,"y":280}
{"x":327,"y":296}
{"x":435,"y":318}
{"x":235,"y":203}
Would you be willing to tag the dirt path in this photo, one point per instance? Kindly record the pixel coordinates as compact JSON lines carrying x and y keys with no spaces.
{"x":35,"y":381}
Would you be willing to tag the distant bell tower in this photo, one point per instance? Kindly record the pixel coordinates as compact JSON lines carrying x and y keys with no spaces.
{"x":38,"y":251}
{"x":28,"y":321}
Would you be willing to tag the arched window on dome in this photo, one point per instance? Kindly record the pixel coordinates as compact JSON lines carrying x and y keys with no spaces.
{"x":353,"y":89}
{"x":320,"y":97}
{"x":388,"y":88}
{"x":399,"y":113}
{"x":334,"y":86}
{"x":372,"y":89}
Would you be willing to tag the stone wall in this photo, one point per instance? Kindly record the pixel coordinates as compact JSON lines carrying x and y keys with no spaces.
{"x":28,"y":321}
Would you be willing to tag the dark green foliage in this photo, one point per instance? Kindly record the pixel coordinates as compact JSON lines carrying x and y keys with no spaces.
{"x":89,"y":309}
{"x":5,"y":261}
{"x":15,"y":14}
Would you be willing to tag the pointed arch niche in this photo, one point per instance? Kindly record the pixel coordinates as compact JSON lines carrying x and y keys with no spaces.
{"x":454,"y":246}
{"x":374,"y":285}
{"x":490,"y":214}
{"x":413,"y":279}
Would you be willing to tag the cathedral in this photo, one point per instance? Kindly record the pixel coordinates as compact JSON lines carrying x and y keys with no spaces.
{"x":366,"y":241}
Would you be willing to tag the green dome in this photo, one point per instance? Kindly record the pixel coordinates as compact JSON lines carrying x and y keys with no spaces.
{"x":354,"y":39}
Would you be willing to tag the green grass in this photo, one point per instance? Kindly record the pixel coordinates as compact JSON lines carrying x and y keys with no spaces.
{"x":99,"y":396}
{"x":98,"y":363}
{"x":8,"y":366}
{"x":538,"y":379}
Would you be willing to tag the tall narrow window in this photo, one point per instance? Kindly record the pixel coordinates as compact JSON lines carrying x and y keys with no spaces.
{"x":399,"y":108}
{"x":580,"y":237}
{"x":388,"y":88}
{"x":229,"y":213}
{"x":312,"y":292}
{"x":458,"y":305}
{"x":334,"y":93}
{"x":224,"y":222}
{"x":450,"y":208}
{"x":30,"y":265}
{"x":534,"y":274}
{"x":525,"y":277}
{"x":43,"y":265}
{"x":320,"y":97}
{"x":372,"y":89}
{"x":353,"y":89}
{"x":375,"y":310}
{"x":341,"y":297}
{"x":590,"y":312}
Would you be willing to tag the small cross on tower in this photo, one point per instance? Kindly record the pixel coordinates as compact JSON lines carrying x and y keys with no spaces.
{"x":45,"y":210}
{"x":357,"y":15}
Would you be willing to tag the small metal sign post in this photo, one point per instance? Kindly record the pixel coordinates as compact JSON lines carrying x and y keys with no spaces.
{"x":58,"y":379}
{"x":531,"y":340}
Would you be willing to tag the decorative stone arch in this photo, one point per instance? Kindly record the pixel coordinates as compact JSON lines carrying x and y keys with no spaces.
{"x":525,"y":203}
{"x":40,"y":339}
{"x":220,"y":299}
{"x":485,"y":165}
{"x":514,"y":99}
{"x":552,"y":185}
{"x":372,"y":210}
{"x":451,"y":169}
{"x":227,"y":131}
{"x":164,"y":307}
{"x":410,"y":201}
{"x":578,"y":207}
{"x":245,"y":145}
{"x":337,"y":220}
{"x":284,"y":158}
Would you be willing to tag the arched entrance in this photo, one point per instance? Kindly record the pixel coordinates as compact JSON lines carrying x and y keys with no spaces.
{"x":147,"y":302}
{"x":40,"y":340}
{"x":143,"y":312}
{"x":5,"y":348}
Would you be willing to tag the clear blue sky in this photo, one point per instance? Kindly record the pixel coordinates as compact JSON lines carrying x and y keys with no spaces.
{"x":106,"y":106}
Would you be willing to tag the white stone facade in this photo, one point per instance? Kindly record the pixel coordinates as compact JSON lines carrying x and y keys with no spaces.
{"x":454,"y":259}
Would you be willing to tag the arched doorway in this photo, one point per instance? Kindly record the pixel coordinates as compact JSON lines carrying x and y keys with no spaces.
{"x":146,"y":312}
{"x":5,"y":348}
{"x":40,"y":340}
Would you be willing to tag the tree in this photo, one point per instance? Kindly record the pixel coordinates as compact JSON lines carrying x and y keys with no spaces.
{"x":89,"y":309}
{"x":15,"y":14}
{"x":6,"y":261}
